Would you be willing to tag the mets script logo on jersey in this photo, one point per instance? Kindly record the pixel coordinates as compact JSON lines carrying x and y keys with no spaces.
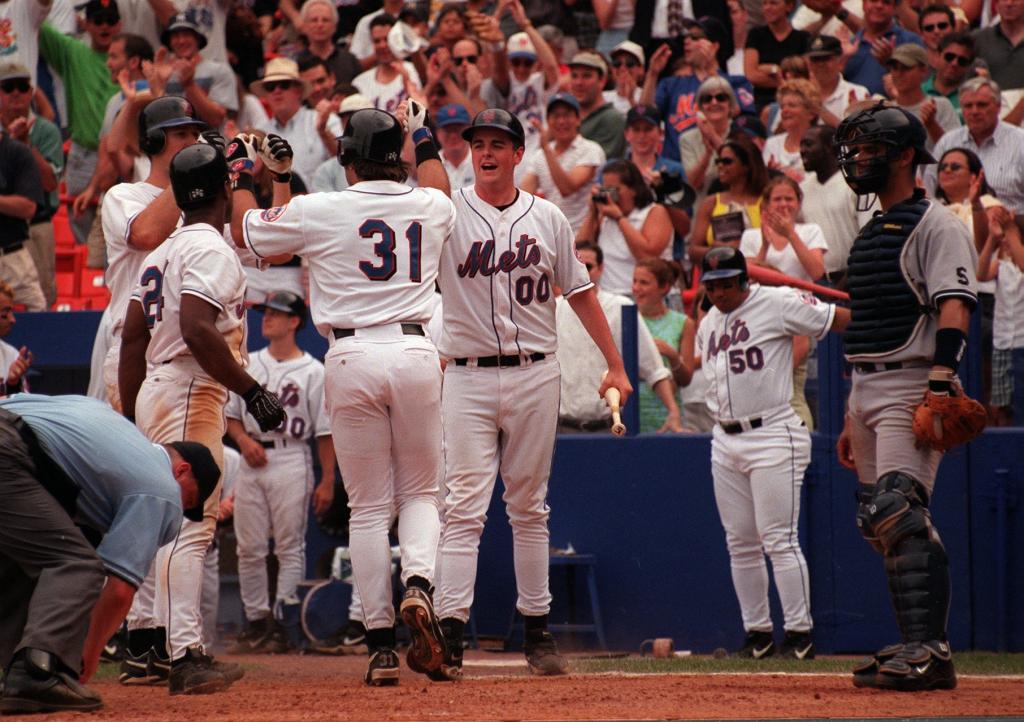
{"x":481,"y":258}
{"x":272,"y":214}
{"x":738,"y":333}
{"x":740,"y":358}
{"x":289,"y":395}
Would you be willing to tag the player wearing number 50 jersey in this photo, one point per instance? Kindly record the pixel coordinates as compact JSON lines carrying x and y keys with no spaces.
{"x":760,"y":448}
{"x":373,"y":252}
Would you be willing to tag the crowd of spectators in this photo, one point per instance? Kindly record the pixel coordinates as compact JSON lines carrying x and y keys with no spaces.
{"x":661,"y":127}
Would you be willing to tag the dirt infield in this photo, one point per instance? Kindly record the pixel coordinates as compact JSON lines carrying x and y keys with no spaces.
{"x":277,"y":689}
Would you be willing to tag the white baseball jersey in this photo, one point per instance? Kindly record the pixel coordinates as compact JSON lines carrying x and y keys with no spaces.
{"x":120,"y":206}
{"x":299,"y":383}
{"x":499,"y":273}
{"x":197,"y":261}
{"x":386,"y":96}
{"x":368,"y":264}
{"x":748,"y":353}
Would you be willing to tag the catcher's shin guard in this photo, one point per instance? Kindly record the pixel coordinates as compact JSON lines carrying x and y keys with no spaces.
{"x":918,"y":572}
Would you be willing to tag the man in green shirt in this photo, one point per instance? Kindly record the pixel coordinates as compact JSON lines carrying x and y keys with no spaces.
{"x":956,"y":55}
{"x":43,"y":139}
{"x":600,"y":121}
{"x":88,"y":86}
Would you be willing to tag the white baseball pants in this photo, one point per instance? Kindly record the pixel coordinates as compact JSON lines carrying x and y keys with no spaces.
{"x":497,"y":420}
{"x":758,"y":475}
{"x":383,"y":389}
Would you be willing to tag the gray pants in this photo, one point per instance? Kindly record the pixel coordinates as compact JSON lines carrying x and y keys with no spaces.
{"x":81,"y":165}
{"x":50,"y":576}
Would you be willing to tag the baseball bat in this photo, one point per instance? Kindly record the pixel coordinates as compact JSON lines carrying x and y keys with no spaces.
{"x":774,"y":278}
{"x":614,"y":399}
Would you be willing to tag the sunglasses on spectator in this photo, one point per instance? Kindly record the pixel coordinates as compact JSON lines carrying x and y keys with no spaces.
{"x":460,"y":59}
{"x":932,"y":27}
{"x":961,"y":60}
{"x":15,"y":84}
{"x":520,"y":62}
{"x":628,"y":63}
{"x":271,"y":85}
{"x":695,"y":35}
{"x":718,"y":97}
{"x":724,"y":161}
{"x":954,"y":167}
{"x":105,"y":19}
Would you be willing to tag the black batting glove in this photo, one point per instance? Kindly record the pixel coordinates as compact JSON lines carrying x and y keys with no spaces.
{"x":214,"y":138}
{"x":277,"y":154}
{"x":265,"y":407}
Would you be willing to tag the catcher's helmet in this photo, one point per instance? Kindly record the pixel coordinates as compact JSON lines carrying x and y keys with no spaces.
{"x":170,"y":111}
{"x":286,"y":302}
{"x":371,"y":134}
{"x":499,"y":119}
{"x":199,"y":174}
{"x":887,"y":125}
{"x":724,"y":262}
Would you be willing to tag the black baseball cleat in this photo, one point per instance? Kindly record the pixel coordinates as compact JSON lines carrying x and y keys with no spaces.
{"x":195,"y":673}
{"x":253,"y":637}
{"x":114,"y":650}
{"x":451,"y":666}
{"x":151,"y":668}
{"x":35,"y":682}
{"x":426,"y":653}
{"x":797,"y":645}
{"x":383,"y":668}
{"x":757,"y":645}
{"x":865,"y":673}
{"x":542,"y":654}
{"x":917,"y":667}
{"x":350,"y":639}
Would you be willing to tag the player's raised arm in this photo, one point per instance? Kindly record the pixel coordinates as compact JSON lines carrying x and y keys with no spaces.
{"x":241,"y":156}
{"x":430,"y":172}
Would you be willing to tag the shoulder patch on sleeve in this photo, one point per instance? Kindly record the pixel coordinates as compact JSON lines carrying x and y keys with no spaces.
{"x":272,"y":214}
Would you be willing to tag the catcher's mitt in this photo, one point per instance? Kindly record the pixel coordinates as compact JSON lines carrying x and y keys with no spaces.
{"x":943,"y":421}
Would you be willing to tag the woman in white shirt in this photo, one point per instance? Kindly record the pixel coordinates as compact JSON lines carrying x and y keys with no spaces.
{"x":799,"y":101}
{"x":796,"y":249}
{"x":628,"y":225}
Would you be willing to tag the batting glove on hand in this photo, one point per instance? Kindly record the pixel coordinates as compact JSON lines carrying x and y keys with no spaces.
{"x":276,"y":154}
{"x":242,"y":153}
{"x":417,"y":116}
{"x":214,"y":138}
{"x":265,"y":407}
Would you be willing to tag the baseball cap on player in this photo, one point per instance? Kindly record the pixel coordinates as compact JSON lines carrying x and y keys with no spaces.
{"x":723,"y":262}
{"x":198,"y":175}
{"x":500,"y":120}
{"x":204,"y":469}
{"x":371,"y":134}
{"x":285,"y":302}
{"x":170,"y":111}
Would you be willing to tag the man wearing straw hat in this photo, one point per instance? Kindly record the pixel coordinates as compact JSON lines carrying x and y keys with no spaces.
{"x":283,"y":89}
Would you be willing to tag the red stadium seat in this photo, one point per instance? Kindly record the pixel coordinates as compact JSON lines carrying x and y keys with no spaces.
{"x":62,"y":235}
{"x":72,"y":303}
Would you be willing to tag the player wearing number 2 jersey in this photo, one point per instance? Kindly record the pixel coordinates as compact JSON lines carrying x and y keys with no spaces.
{"x":760,"y":448}
{"x":373,"y":252}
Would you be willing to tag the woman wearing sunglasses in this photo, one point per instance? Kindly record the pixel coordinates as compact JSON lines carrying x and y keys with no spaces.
{"x":799,"y":104}
{"x":716,"y":107}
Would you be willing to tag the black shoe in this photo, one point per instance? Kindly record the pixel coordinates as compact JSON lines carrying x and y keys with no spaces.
{"x":277,"y":641}
{"x":757,"y":645}
{"x":35,"y":683}
{"x":919,"y":666}
{"x":383,"y":669}
{"x":542,"y":654}
{"x":865,"y":673}
{"x":151,"y":668}
{"x":232,"y":672}
{"x":114,"y":650}
{"x":252,"y":638}
{"x":350,"y":639}
{"x":195,"y":673}
{"x":451,"y":665}
{"x":797,"y":645}
{"x":426,"y":653}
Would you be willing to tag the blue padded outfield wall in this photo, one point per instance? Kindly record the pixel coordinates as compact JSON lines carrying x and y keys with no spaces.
{"x":644,"y":506}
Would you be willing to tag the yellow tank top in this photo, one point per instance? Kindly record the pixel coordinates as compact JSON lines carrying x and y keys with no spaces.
{"x":752,"y":215}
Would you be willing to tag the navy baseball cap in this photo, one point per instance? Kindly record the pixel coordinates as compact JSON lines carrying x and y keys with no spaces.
{"x":645,"y":113}
{"x":566,"y":99}
{"x":101,"y":9}
{"x":205,"y":471}
{"x":452,"y":114}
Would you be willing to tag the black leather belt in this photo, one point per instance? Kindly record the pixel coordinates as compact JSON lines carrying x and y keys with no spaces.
{"x":585,"y":425}
{"x":11,"y":248}
{"x":869,"y":368}
{"x":735,"y":427}
{"x":493,"y":361}
{"x":283,"y":443}
{"x":409,"y":329}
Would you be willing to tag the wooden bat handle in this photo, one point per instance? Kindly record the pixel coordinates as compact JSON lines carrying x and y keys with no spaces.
{"x":614,"y":400}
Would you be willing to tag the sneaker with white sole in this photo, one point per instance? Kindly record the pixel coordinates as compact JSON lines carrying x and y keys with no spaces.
{"x":797,"y":645}
{"x":383,"y":668}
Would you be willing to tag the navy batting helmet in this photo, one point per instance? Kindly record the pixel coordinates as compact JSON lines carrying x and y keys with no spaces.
{"x":889,"y":126}
{"x":500,"y":120}
{"x":170,"y":111}
{"x":371,"y":134}
{"x":724,"y":262}
{"x":199,"y":174}
{"x":286,"y":302}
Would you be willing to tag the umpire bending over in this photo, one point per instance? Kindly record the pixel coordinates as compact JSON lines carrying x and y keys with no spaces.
{"x":71,"y":468}
{"x":912,"y":289}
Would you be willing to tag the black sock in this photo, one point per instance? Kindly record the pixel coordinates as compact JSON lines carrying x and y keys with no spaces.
{"x":419,"y":583}
{"x":453,"y":629}
{"x":535,"y":626}
{"x":380,"y":638}
{"x":140,"y":640}
{"x":160,"y":642}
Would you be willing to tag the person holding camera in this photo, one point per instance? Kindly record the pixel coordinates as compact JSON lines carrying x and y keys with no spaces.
{"x":627,"y":223}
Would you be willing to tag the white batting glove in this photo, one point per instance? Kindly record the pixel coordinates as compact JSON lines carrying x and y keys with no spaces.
{"x":417,"y":116}
{"x":276,"y":154}
{"x":242,"y":152}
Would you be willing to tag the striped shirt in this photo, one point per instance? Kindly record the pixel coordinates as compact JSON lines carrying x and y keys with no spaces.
{"x":1001,"y":154}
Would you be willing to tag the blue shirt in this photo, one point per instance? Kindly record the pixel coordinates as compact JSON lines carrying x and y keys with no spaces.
{"x":676,"y":99}
{"x":863,"y":69}
{"x":126,"y":488}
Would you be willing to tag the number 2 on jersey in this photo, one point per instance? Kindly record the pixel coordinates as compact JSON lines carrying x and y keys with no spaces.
{"x":153,"y":298}
{"x":385,"y":250}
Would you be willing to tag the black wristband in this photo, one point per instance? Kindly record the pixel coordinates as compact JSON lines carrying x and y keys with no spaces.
{"x":285,"y":177}
{"x":252,"y":393}
{"x":426,"y":151}
{"x":950,"y":344}
{"x":244,"y":182}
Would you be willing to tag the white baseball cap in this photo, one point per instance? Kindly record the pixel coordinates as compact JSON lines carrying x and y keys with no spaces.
{"x":628,"y":46}
{"x":354,"y":102}
{"x":520,"y":46}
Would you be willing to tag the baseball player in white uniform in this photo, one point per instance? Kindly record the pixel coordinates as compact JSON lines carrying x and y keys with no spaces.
{"x":373,"y":253}
{"x":276,"y":478}
{"x":759,"y":447}
{"x":183,"y":348}
{"x":210,"y":597}
{"x":509,"y":255}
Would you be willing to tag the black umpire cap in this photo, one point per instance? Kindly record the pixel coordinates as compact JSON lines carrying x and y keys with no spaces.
{"x":204,"y":469}
{"x":285,"y":302}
